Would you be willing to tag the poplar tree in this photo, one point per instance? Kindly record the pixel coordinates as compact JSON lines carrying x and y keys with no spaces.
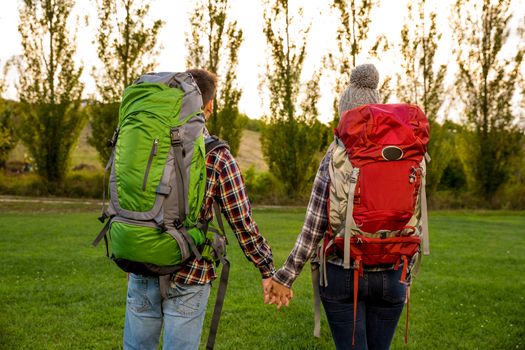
{"x":126,"y":47}
{"x":422,"y":82}
{"x":291,"y":138}
{"x":352,"y":32}
{"x":214,"y":44}
{"x":486,"y":84}
{"x":49,"y":86}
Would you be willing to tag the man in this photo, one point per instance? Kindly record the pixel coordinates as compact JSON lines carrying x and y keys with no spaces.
{"x":184,"y":310}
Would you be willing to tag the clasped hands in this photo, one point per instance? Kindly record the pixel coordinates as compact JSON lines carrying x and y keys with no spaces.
{"x":276,"y":293}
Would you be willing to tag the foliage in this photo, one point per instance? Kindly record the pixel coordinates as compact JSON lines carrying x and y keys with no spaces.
{"x":213,"y":34}
{"x":104,"y":121}
{"x":486,"y":85}
{"x":422,"y":83}
{"x":49,"y":86}
{"x":453,"y":177}
{"x":8,"y":114}
{"x":512,"y":195}
{"x":352,"y":32}
{"x":263,"y":188}
{"x":251,"y":124}
{"x":9,"y":111}
{"x":126,"y":46}
{"x":290,"y":141}
{"x":76,"y":184}
{"x":81,"y":295}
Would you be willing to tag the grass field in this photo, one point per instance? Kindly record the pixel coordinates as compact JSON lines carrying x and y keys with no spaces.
{"x":58,"y":292}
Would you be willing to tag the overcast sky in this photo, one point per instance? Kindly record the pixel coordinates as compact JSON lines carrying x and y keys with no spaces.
{"x":386,"y":19}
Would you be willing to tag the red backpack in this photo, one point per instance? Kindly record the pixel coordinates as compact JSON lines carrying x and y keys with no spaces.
{"x":378,"y":166}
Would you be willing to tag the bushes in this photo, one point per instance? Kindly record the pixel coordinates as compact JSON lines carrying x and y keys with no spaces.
{"x":265,"y":189}
{"x":510,"y":197}
{"x":77,"y":184}
{"x":452,"y":199}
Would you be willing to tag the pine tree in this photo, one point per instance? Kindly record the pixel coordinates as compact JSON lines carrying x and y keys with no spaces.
{"x":486,"y":85}
{"x":127,"y":47}
{"x":422,"y":82}
{"x":291,"y":138}
{"x":214,"y":44}
{"x":49,"y":86}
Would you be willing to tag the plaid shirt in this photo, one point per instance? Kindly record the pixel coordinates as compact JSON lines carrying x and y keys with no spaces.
{"x":225,"y":184}
{"x":314,"y":228}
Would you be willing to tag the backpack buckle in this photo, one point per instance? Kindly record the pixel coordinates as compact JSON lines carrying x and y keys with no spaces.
{"x":178,"y":224}
{"x":354,"y":174}
{"x":176,"y":138}
{"x":383,"y":233}
{"x":113,"y":140}
{"x":103,"y":217}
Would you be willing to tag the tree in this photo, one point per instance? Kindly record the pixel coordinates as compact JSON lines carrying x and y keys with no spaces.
{"x":290,"y":140}
{"x":422,"y":83}
{"x":49,"y":86}
{"x":8,"y":137}
{"x":486,"y":84}
{"x":126,"y":46}
{"x":354,"y":17}
{"x":214,"y":44}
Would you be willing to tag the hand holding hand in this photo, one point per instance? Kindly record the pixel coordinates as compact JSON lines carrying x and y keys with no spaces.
{"x":266,"y":283}
{"x":276,"y":293}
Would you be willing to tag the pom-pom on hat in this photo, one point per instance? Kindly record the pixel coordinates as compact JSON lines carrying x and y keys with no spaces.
{"x":362,"y":89}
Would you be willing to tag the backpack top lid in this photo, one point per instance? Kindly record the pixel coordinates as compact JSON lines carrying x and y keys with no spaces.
{"x":162,"y":94}
{"x":374,"y":132}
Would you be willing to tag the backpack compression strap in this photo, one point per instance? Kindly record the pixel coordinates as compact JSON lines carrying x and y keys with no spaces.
{"x":424,"y":212}
{"x":349,"y":218}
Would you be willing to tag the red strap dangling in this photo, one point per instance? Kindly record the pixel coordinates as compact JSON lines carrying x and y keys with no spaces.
{"x":396,"y":265}
{"x":405,"y":268}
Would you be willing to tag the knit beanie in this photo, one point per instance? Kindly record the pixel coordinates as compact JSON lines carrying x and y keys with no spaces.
{"x":362,"y":89}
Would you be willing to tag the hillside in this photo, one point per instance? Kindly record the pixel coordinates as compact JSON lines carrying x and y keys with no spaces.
{"x":250,"y":151}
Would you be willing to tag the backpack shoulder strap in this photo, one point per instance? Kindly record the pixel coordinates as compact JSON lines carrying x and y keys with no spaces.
{"x":212,"y":142}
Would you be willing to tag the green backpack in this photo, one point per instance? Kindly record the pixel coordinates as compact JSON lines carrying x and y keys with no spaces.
{"x":158,"y":178}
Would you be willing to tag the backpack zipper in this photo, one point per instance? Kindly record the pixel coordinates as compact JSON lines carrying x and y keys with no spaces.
{"x":152,"y":154}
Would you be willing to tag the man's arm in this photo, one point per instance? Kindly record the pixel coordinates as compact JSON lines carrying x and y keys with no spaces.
{"x":314,"y":228}
{"x":233,"y":200}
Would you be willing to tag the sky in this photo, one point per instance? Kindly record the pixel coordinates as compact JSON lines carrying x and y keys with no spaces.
{"x":387,"y":19}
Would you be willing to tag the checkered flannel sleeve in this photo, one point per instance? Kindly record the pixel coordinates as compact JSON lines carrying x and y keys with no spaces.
{"x":314,"y":228}
{"x":234,"y":203}
{"x":224,"y":184}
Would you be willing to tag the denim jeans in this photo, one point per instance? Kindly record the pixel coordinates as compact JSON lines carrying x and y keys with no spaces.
{"x":182,"y":314}
{"x":380,"y":302}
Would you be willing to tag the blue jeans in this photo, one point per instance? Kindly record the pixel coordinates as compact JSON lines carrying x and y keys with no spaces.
{"x":182,"y":314}
{"x":380,"y":302}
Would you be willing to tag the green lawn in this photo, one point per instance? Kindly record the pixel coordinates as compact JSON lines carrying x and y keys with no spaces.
{"x":57,"y":292}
